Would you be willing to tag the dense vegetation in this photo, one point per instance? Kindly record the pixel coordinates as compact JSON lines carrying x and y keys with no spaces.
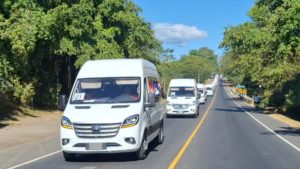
{"x":43,"y":43}
{"x":198,"y":64}
{"x":264,"y":53}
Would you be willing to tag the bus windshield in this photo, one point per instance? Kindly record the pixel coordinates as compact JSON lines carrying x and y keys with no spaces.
{"x":182,"y":91}
{"x":106,"y":90}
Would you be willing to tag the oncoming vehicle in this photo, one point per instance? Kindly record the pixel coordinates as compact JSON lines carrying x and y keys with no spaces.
{"x":183,"y":98}
{"x":114,"y":107}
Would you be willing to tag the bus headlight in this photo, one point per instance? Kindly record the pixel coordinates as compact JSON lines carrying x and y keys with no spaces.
{"x":130,"y":121}
{"x":66,"y":123}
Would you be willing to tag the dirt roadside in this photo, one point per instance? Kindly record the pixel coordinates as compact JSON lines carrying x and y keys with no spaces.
{"x":29,"y":129}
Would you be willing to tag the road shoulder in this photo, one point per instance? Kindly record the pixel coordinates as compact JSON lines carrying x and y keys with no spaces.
{"x":29,"y":138}
{"x":29,"y":129}
{"x":279,"y":117}
{"x":279,"y":127}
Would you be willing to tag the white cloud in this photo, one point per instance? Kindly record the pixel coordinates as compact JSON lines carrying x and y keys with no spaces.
{"x":177,"y":33}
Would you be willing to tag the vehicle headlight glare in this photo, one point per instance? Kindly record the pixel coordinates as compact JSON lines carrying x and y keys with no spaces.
{"x":130,"y":121}
{"x":66,"y":123}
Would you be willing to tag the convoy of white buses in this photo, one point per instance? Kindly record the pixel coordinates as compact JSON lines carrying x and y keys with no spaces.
{"x":115,"y":106}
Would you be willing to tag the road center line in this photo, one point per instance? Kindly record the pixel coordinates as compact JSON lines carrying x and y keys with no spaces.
{"x":191,"y":137}
{"x":34,"y":160}
{"x":265,"y":126}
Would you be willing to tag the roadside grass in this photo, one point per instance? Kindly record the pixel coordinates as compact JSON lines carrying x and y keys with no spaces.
{"x":287,"y":120}
{"x":11,"y":113}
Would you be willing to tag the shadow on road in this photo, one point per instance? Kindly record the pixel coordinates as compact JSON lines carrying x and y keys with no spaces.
{"x":180,"y":117}
{"x":237,"y":99}
{"x":104,"y":157}
{"x":287,"y":131}
{"x":235,"y":109}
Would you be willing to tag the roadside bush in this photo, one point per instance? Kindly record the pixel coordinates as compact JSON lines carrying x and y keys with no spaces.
{"x":292,"y":95}
{"x":47,"y":96}
{"x":5,"y":70}
{"x":11,"y":86}
{"x":22,"y":92}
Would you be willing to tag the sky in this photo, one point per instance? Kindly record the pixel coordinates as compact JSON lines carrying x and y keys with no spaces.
{"x":184,"y":25}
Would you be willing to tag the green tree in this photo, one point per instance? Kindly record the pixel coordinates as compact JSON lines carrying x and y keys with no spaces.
{"x":198,"y":64}
{"x":40,"y":39}
{"x":266,"y":50}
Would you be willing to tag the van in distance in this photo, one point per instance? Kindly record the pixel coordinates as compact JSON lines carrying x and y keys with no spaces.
{"x":183,"y":98}
{"x":202,"y":91}
{"x":209,"y":89}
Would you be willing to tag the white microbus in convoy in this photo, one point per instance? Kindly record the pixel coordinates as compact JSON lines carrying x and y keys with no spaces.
{"x":209,"y":90}
{"x":114,"y":107}
{"x":183,"y":98}
{"x":202,"y":91}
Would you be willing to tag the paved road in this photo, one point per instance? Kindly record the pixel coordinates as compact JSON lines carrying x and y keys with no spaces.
{"x":231,"y":139}
{"x":228,"y":139}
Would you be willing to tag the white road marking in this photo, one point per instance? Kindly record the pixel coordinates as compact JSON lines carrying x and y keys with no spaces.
{"x":268,"y":128}
{"x":34,"y":160}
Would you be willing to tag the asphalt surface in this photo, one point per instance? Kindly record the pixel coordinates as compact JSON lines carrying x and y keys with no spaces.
{"x":228,"y":139}
{"x":231,"y":139}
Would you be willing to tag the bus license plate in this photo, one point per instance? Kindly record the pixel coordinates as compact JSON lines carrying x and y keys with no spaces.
{"x":96,"y":146}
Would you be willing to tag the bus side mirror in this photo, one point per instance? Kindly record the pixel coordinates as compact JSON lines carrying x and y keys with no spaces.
{"x":62,"y":102}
